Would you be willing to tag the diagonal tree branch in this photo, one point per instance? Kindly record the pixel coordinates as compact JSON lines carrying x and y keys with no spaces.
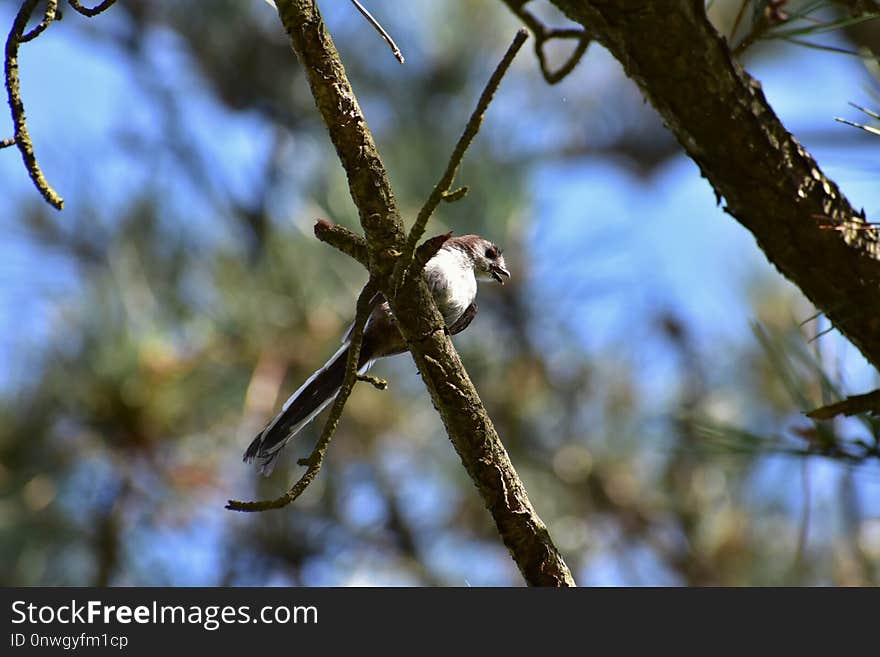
{"x":467,"y":423}
{"x":771,"y":185}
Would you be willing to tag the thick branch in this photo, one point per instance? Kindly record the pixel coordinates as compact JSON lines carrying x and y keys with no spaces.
{"x":772,"y":186}
{"x":367,"y":178}
{"x":469,"y":427}
{"x":859,"y":7}
{"x":475,"y":439}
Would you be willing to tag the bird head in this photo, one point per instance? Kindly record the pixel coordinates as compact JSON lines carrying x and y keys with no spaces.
{"x":487,"y":259}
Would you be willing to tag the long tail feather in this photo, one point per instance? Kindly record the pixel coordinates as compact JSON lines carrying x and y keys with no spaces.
{"x":300,"y":408}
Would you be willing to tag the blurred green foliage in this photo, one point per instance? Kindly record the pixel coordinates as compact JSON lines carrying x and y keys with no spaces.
{"x":196,"y":302}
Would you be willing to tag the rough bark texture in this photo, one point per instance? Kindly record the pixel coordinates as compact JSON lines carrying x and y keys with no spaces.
{"x":467,"y":423}
{"x":771,"y":185}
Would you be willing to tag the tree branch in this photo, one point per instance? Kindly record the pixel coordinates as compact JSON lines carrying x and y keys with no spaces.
{"x":772,"y":186}
{"x":48,"y":17}
{"x":343,"y":239}
{"x":544,"y":34}
{"x":441,"y":190}
{"x":316,"y":458}
{"x":375,"y":381}
{"x":13,"y":93}
{"x":94,"y":11}
{"x":467,"y":423}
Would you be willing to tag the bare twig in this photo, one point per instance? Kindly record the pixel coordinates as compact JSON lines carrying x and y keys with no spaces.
{"x":381,"y":30}
{"x":343,"y":239}
{"x":544,"y":34}
{"x":48,"y":17}
{"x":94,"y":11}
{"x":737,"y":20}
{"x":759,"y":29}
{"x":375,"y":381}
{"x":859,"y":7}
{"x":441,"y":189}
{"x":13,"y":92}
{"x":773,"y":14}
{"x":6,"y":143}
{"x":316,"y":458}
{"x":860,"y":126}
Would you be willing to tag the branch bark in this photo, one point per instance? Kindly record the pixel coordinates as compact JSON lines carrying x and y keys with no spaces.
{"x":771,"y":185}
{"x":466,"y":421}
{"x":22,"y":138}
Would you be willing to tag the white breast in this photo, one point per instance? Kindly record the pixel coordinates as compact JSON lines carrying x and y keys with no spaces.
{"x":450,"y":277}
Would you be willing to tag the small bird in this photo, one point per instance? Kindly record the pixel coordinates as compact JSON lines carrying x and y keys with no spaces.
{"x":451,"y":274}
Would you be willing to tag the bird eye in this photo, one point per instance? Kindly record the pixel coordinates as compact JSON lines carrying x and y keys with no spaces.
{"x":492,"y":252}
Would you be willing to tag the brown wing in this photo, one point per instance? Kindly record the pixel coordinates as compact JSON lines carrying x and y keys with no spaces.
{"x":464,"y":321}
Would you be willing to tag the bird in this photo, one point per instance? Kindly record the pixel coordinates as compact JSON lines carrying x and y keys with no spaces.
{"x":451,"y":275}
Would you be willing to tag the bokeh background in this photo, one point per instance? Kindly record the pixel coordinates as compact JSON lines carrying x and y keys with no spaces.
{"x":646,"y":367}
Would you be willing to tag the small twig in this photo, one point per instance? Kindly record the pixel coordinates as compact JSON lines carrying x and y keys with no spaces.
{"x":868,"y":402}
{"x":441,"y":189}
{"x":48,"y":17}
{"x":737,"y":20}
{"x":822,"y":333}
{"x":316,"y":458}
{"x":552,"y":77}
{"x":543,"y":34}
{"x":13,"y":92}
{"x":375,"y":381}
{"x":381,"y":30}
{"x":809,"y":319}
{"x":759,"y":29}
{"x":455,"y":195}
{"x":340,"y":237}
{"x":6,"y":143}
{"x":772,"y":15}
{"x":94,"y":11}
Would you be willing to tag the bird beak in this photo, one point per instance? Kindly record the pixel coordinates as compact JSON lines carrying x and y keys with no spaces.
{"x":498,"y":272}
